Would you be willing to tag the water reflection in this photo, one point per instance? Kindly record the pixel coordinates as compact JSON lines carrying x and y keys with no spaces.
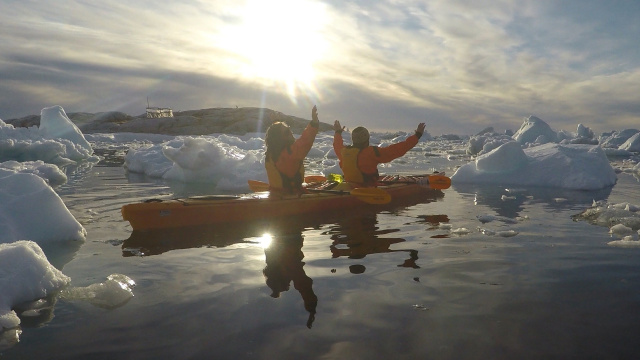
{"x":155,"y":242}
{"x":284,"y":265}
{"x":358,"y":236}
{"x":78,"y":170}
{"x":77,"y":174}
{"x":112,"y":157}
{"x":62,"y":253}
{"x":434,"y":222}
{"x":355,"y":234}
{"x":146,"y":243}
{"x":510,"y":202}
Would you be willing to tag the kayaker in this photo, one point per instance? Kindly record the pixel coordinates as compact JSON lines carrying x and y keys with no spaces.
{"x":359,"y":161}
{"x":284,"y":155}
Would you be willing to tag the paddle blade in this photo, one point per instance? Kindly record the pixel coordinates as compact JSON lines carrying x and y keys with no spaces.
{"x":439,"y":182}
{"x":258,"y":186}
{"x":372,"y":195}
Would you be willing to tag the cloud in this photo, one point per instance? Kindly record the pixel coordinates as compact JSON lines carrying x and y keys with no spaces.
{"x":463,"y":64}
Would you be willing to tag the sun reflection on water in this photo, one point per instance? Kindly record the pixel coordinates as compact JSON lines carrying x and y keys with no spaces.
{"x":265,"y":240}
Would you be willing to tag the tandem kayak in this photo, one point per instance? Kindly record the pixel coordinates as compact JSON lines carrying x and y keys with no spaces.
{"x":217,"y":209}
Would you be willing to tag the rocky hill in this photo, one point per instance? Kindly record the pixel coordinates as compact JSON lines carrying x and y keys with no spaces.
{"x":236,"y":121}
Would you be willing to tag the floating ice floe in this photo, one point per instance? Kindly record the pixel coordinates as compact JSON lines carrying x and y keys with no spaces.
{"x":199,"y":160}
{"x":31,"y":210}
{"x":615,"y":139}
{"x":621,"y":230}
{"x":460,"y":231}
{"x":25,"y":275}
{"x":533,"y":130}
{"x":610,"y":215}
{"x":48,"y":172}
{"x":501,"y":233}
{"x":627,"y":241}
{"x":573,"y":166}
{"x":30,"y":286}
{"x":622,"y":219}
{"x":58,"y":140}
{"x":115,"y":292}
{"x":632,"y":144}
{"x":507,"y":233}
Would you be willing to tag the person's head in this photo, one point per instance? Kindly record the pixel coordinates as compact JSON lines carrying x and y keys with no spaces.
{"x":360,"y":137}
{"x":278,"y":137}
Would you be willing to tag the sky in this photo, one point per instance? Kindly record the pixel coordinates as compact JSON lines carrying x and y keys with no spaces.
{"x":460,"y":66}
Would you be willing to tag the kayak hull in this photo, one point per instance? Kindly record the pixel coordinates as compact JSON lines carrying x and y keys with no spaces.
{"x":210,"y":210}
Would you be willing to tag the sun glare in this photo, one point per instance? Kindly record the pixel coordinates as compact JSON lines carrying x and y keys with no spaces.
{"x":265,"y":240}
{"x":279,"y":41}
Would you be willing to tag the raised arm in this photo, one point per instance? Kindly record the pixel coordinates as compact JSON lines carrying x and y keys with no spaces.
{"x":420,"y":130}
{"x":315,"y":122}
{"x":337,"y":127}
{"x":338,"y":143}
{"x":395,"y":151}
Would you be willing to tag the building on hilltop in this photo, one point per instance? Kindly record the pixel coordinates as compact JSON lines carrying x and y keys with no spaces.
{"x":158,"y":112}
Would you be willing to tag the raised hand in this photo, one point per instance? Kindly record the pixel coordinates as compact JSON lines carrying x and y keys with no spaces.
{"x":337,"y":127}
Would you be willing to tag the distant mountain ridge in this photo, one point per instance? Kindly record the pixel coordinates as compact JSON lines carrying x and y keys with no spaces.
{"x":234,"y":121}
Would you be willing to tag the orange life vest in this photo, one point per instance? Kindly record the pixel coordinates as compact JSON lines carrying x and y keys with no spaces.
{"x":352,"y":172}
{"x":280,"y":181}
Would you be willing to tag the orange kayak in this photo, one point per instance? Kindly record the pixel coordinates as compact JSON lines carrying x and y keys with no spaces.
{"x":218,"y":209}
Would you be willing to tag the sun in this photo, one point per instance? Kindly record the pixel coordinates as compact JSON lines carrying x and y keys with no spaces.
{"x":279,"y":41}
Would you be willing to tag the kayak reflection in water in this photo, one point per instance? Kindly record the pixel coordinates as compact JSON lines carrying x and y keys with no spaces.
{"x":284,"y":264}
{"x":361,"y":236}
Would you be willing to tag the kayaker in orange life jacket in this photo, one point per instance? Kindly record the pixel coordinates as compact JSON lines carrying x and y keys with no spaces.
{"x":284,"y":155}
{"x":359,"y":162}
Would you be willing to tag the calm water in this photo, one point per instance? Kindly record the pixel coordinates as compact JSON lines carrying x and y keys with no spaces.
{"x":396,"y":283}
